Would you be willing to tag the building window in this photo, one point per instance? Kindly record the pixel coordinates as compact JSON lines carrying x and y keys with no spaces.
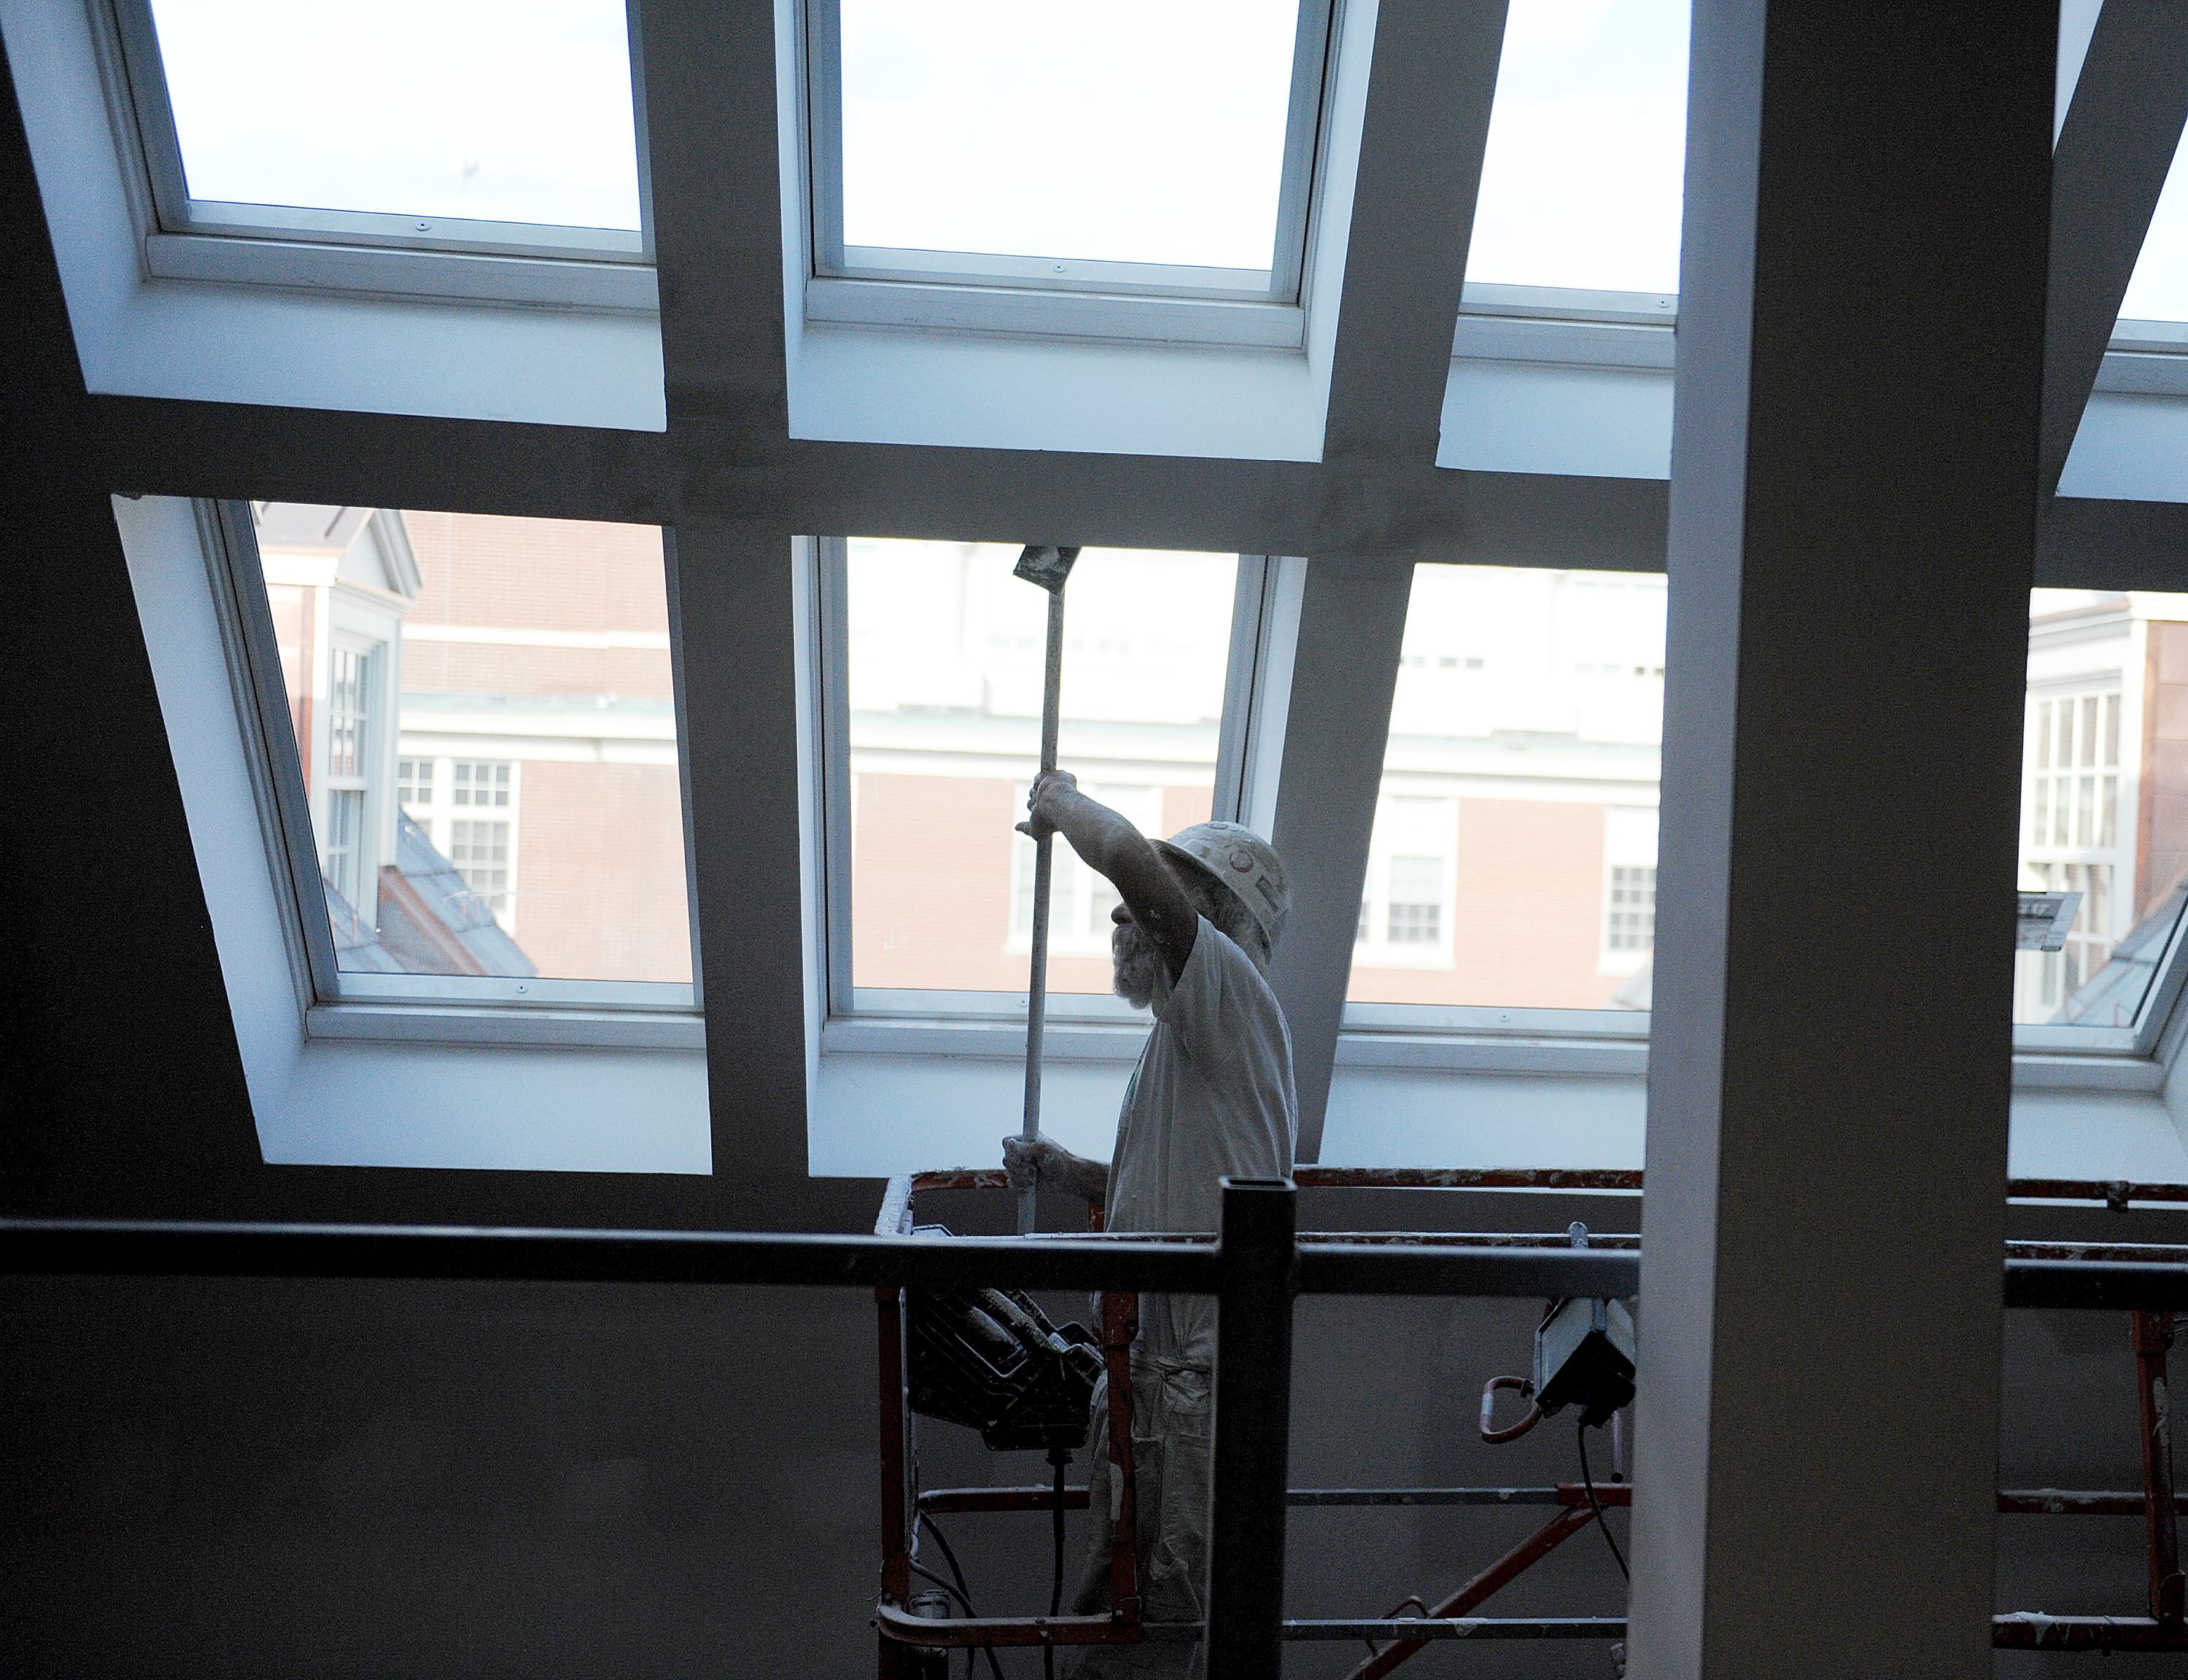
{"x":480,"y":852}
{"x":1633,"y":925}
{"x":2072,"y":837}
{"x":345,"y":844}
{"x":475,"y":784}
{"x":348,"y":856}
{"x":1415,"y":915}
{"x":349,"y":705}
{"x":2074,"y":792}
{"x":414,"y":783}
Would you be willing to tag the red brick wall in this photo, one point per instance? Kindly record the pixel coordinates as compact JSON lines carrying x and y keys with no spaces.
{"x":930,"y":886}
{"x":1528,"y":910}
{"x":479,"y":668}
{"x":547,"y":574}
{"x":599,"y":876}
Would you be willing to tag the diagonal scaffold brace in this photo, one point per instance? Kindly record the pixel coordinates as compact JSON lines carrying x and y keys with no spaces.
{"x":1047,"y":568}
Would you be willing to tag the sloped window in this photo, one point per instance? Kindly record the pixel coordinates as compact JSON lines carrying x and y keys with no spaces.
{"x":1584,"y":180}
{"x":1517,"y":817}
{"x":2102,"y":795}
{"x":461,"y":125}
{"x":1136,"y":147}
{"x":934,"y":722}
{"x":477,"y":751}
{"x":2157,"y":290}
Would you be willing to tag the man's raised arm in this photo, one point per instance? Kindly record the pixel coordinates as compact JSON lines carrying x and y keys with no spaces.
{"x":1112,"y":848}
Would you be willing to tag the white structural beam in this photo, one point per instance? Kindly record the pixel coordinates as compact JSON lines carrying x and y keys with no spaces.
{"x":2114,"y":150}
{"x":710,"y":87}
{"x":1851,"y":549}
{"x":1353,"y":620}
{"x":1429,"y":89}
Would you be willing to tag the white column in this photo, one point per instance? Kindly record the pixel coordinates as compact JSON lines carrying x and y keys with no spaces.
{"x":1854,"y":464}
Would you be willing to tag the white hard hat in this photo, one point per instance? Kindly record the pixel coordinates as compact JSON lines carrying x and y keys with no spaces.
{"x":1243,"y":861}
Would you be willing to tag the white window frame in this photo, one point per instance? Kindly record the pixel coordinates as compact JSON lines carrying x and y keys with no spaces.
{"x":971,"y":291}
{"x":338,"y":1004}
{"x":454,"y":258}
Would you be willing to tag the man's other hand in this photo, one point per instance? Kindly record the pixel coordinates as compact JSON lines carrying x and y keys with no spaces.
{"x":1051,"y":790}
{"x":1029,"y":1163}
{"x":1047,"y":1163}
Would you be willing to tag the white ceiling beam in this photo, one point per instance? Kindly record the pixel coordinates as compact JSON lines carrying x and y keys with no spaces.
{"x":2121,"y":128}
{"x":711,"y":93}
{"x":1433,"y":79}
{"x":162,"y":447}
{"x":737,"y":673}
{"x":1344,"y":670}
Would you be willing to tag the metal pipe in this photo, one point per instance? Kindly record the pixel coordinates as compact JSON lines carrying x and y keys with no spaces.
{"x":1120,"y":1323}
{"x":1253,"y":1429}
{"x":1507,"y":1569}
{"x":1417,"y":1629}
{"x":214,"y":1248}
{"x":2112,"y":1192}
{"x":2153,"y":1340}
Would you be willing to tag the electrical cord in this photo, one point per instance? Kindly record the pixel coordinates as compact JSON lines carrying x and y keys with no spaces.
{"x":1059,"y":1458}
{"x":1587,"y":1482}
{"x":964,"y":1596}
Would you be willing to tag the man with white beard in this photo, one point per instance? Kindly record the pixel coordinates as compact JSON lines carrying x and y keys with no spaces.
{"x":1199,"y":917}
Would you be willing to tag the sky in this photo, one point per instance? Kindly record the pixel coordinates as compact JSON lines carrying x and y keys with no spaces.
{"x":514,"y":110}
{"x":1139,"y":131}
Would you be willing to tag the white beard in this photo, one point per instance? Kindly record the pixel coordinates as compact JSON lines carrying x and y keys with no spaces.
{"x":1142,"y":977}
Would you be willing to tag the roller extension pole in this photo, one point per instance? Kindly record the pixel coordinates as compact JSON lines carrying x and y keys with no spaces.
{"x":1048,"y":569}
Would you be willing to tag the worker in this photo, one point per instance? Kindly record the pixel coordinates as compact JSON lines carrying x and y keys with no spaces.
{"x":1197,"y":920}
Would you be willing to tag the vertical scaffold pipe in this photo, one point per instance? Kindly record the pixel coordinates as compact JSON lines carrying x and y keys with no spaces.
{"x":1259,"y":1260}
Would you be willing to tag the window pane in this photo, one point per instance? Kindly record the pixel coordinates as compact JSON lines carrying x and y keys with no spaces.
{"x":518,"y":810}
{"x":1522,"y":767}
{"x":945,"y":666}
{"x":2158,"y":288}
{"x":1583,"y":181}
{"x":497,"y":111}
{"x":1137,"y":131}
{"x":2120,"y":840}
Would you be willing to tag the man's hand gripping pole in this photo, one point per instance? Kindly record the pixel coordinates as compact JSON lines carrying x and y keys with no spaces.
{"x":1048,"y":569}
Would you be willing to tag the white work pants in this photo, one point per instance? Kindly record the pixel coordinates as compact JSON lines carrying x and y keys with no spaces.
{"x":1173,"y":1434}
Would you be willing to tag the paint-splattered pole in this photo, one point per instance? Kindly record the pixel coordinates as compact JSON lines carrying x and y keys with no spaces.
{"x":1048,"y":569}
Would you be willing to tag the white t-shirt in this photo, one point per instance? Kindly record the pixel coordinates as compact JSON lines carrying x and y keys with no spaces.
{"x":1212,"y":1097}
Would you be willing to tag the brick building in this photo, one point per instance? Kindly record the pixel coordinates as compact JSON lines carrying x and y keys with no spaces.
{"x":531,"y":739}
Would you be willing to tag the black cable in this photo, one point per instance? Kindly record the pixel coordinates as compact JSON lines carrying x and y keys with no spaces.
{"x":963,"y":1594}
{"x":1587,"y":1482}
{"x":1060,"y":1459}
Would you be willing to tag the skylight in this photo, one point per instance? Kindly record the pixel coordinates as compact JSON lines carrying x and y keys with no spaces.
{"x":1136,"y":146}
{"x":2159,"y":290}
{"x":288,"y":114}
{"x":1584,"y":181}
